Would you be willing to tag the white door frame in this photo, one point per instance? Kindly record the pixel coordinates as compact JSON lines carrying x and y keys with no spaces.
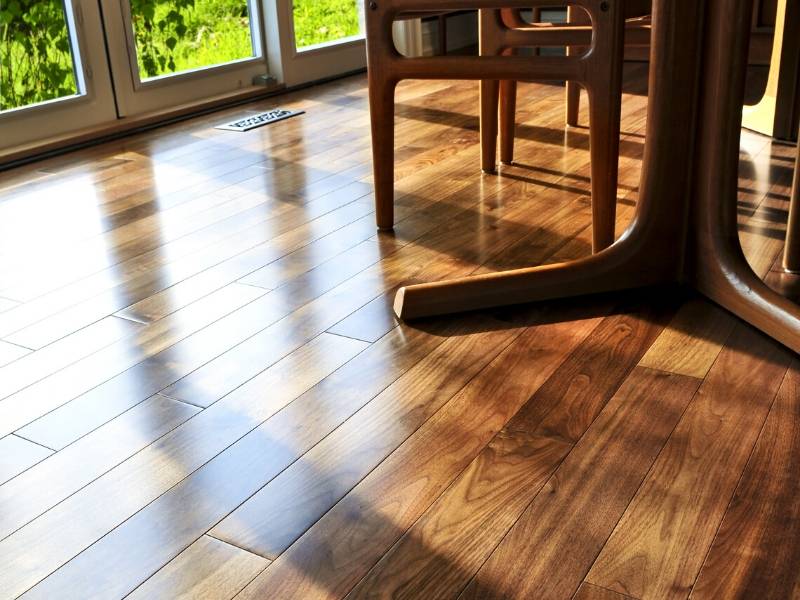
{"x":136,"y":97}
{"x":93,"y":105}
{"x":293,"y":66}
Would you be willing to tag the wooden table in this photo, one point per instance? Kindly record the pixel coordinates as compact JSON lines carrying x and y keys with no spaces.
{"x":685,"y":228}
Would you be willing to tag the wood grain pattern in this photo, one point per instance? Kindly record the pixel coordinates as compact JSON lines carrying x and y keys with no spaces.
{"x":471,"y":518}
{"x":205,"y":570}
{"x":578,"y":505}
{"x":682,"y":502}
{"x":286,"y":507}
{"x":436,"y":557}
{"x":397,"y":484}
{"x":587,"y":591}
{"x":756,"y":552}
{"x":693,"y":340}
{"x":148,"y":474}
{"x":363,"y":525}
{"x":212,"y":482}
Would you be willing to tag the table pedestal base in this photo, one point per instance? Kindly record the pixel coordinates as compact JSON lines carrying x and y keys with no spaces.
{"x":685,"y":229}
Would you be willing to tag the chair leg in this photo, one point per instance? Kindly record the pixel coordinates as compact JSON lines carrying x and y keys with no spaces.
{"x":490,"y":97}
{"x":491,"y":26}
{"x":573,"y":103}
{"x":575,"y":16}
{"x":604,"y":131}
{"x":381,"y":105}
{"x":508,"y":115}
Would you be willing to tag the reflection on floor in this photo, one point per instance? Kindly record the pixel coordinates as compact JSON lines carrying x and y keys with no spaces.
{"x":206,"y":393}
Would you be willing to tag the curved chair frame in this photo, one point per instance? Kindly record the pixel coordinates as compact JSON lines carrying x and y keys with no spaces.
{"x":599,"y":70}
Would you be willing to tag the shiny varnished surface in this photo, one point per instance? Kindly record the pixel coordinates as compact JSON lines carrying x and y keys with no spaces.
{"x":207,"y":394}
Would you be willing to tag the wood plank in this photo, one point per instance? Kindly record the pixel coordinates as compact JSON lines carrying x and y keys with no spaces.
{"x":307,"y":258}
{"x":162,"y":303}
{"x":587,"y":591}
{"x":18,"y":455}
{"x":756,"y":552}
{"x":122,"y":492}
{"x":61,"y":475}
{"x":347,"y":290}
{"x":141,"y":225}
{"x":657,"y":548}
{"x":372,"y":371}
{"x":471,"y":518}
{"x":101,"y":403}
{"x":206,"y":569}
{"x":438,"y":555}
{"x":248,"y":209}
{"x":37,"y":365}
{"x":580,"y":504}
{"x":127,"y":569}
{"x":230,"y":351}
{"x":38,"y":399}
{"x":288,"y":505}
{"x":354,"y":534}
{"x":165,"y":201}
{"x":10,"y":352}
{"x":693,"y":340}
{"x":573,"y":397}
{"x":87,"y":301}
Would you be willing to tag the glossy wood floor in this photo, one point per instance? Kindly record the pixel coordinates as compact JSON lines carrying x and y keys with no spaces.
{"x":205,"y":394}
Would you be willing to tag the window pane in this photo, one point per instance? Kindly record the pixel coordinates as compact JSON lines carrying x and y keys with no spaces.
{"x":320,"y":21}
{"x":35,"y":55}
{"x":178,"y":35}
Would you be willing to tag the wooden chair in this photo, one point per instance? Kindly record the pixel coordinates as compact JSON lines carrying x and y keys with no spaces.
{"x":504,"y":31}
{"x":599,"y":71}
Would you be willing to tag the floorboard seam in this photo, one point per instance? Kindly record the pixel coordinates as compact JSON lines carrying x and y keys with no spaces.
{"x":15,"y":434}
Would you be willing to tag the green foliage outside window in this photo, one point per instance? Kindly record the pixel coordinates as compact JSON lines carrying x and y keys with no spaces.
{"x":35,"y":58}
{"x":319,"y":21}
{"x":176,"y":35}
{"x":36,"y":61}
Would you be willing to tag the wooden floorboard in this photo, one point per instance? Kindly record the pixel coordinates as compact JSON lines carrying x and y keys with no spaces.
{"x":204,"y":392}
{"x":684,"y":498}
{"x":756,"y":551}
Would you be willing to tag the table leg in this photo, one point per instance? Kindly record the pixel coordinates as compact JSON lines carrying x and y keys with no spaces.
{"x":791,"y":254}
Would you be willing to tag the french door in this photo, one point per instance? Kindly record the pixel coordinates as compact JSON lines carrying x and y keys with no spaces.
{"x":54,"y":77}
{"x":70,"y":66}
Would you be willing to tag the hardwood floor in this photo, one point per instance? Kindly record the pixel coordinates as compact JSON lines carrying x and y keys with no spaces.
{"x":204,"y":392}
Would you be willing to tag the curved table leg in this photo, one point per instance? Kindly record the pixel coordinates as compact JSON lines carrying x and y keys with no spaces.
{"x":650,"y":251}
{"x":719,"y":268}
{"x":618,"y":267}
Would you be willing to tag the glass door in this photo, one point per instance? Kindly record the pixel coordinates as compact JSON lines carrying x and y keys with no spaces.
{"x":316,"y":39}
{"x":54,"y":78}
{"x":72,"y":69}
{"x":168,"y":53}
